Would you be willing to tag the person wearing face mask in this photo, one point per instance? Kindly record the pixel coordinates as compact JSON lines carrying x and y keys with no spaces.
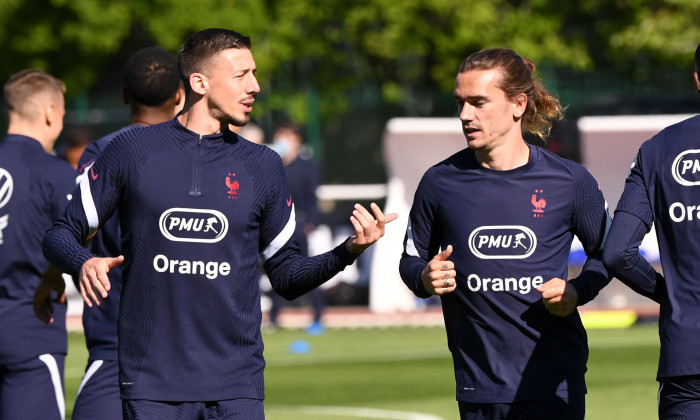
{"x":303,"y":178}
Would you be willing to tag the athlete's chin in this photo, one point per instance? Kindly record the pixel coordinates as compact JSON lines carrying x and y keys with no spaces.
{"x":474,"y":142}
{"x":239,"y":120}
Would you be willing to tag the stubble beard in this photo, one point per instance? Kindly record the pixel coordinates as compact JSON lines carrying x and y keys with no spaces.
{"x":239,"y":121}
{"x":226,"y":119}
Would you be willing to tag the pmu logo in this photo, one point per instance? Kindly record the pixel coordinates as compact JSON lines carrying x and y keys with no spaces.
{"x":502,"y":242}
{"x":193,"y":225}
{"x":686,"y":168}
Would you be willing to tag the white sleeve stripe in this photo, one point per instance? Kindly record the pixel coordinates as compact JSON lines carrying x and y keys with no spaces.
{"x":410,"y":245}
{"x":88,"y":204}
{"x":282,"y":238}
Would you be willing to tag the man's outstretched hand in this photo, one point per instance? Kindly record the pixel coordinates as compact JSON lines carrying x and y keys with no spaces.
{"x":94,"y":283}
{"x":368,"y":228}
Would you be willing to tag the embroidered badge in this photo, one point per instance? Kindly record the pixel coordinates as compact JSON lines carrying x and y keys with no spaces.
{"x":539,"y":204}
{"x":233,"y":186}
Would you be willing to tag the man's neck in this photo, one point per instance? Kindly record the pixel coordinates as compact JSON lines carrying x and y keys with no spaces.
{"x":506,"y":156}
{"x":28,"y":131}
{"x":149,"y":116}
{"x":198,"y":120}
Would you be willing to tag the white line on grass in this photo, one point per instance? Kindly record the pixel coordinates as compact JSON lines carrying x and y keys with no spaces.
{"x":361,"y":412}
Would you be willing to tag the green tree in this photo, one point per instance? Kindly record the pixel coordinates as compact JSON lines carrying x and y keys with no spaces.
{"x":396,"y":49}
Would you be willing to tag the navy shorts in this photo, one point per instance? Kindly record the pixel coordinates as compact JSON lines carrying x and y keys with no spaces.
{"x":238,"y":409}
{"x":679,"y":398}
{"x":98,"y":395}
{"x":549,"y":409}
{"x":33,"y":389}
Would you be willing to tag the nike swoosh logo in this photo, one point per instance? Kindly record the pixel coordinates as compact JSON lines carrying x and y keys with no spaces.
{"x":289,"y":201}
{"x":93,"y":175}
{"x":82,"y":168}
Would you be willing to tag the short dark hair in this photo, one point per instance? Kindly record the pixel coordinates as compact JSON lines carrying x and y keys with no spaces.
{"x":151,"y":76}
{"x":195,"y":53}
{"x":294,"y":128}
{"x":697,"y":59}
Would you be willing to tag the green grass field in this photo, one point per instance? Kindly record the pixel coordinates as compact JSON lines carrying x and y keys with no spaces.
{"x":406,"y":373}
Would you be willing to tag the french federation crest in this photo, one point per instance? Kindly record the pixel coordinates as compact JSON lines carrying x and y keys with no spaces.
{"x":233,"y":186}
{"x":539,"y":203}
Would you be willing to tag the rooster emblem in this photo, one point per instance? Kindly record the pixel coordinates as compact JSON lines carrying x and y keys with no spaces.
{"x":233,"y":186}
{"x":539,"y":204}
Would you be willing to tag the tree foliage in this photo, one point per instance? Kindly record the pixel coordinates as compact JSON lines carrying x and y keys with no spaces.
{"x":397,"y":49}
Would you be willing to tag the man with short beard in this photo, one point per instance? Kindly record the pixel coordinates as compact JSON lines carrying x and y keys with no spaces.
{"x":198,"y":207}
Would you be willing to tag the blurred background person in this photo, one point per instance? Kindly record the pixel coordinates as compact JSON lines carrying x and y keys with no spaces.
{"x":75,"y":140}
{"x":303,"y":178}
{"x":35,"y":187}
{"x":251,"y":132}
{"x":153,"y":90}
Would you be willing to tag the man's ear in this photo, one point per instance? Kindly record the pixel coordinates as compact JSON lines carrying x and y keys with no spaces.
{"x":49,"y":113}
{"x":520,"y":103}
{"x":696,"y":76}
{"x":179,"y":95}
{"x":199,"y":83}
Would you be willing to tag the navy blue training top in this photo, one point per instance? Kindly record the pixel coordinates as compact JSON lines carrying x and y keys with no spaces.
{"x":35,"y":188}
{"x":196,"y":213}
{"x":663,"y":188}
{"x":511,"y":231}
{"x":100,"y":322}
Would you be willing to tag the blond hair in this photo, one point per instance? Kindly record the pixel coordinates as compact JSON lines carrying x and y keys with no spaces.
{"x":23,"y":87}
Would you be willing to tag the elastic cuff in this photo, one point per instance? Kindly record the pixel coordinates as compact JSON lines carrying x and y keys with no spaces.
{"x":80,"y":257}
{"x":346,"y":257}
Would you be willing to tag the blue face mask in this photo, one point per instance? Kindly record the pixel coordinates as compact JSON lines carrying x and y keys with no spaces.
{"x":281,"y":146}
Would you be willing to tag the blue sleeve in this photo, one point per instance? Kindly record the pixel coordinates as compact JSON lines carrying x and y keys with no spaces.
{"x":633,"y":220}
{"x":591,"y":222}
{"x":421,"y":242}
{"x":290,"y":273}
{"x":635,"y":199}
{"x":622,"y":256}
{"x":93,"y":203}
{"x":61,"y":189}
{"x":90,"y":154}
